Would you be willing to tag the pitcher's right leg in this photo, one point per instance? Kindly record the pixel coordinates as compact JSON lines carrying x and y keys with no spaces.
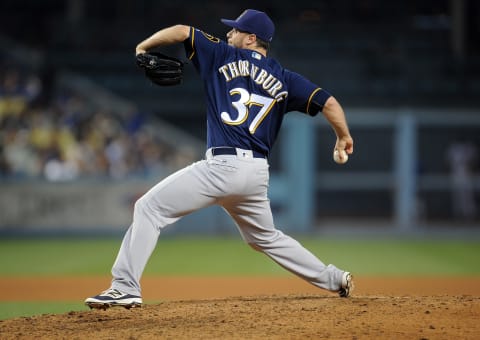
{"x":255,"y":222}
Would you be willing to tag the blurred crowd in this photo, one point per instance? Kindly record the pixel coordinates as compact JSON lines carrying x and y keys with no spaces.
{"x":65,"y":138}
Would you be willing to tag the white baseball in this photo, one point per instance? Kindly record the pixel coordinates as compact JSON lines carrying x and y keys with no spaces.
{"x":337,"y":159}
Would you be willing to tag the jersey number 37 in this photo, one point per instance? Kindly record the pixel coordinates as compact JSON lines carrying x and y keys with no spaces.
{"x":243,"y":104}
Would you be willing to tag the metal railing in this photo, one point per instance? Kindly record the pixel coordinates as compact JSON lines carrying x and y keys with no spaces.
{"x":402,"y":181}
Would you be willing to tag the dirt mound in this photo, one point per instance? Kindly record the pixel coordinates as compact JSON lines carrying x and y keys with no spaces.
{"x":265,"y":317}
{"x":254,"y":308}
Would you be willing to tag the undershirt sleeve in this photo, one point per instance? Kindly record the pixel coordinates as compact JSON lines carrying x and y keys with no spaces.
{"x":304,"y":95}
{"x":316,"y":101}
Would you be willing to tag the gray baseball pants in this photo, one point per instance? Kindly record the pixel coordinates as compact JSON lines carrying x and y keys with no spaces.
{"x":238,"y":183}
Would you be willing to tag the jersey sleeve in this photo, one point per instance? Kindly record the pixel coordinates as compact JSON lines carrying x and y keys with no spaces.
{"x":204,"y":50}
{"x":304,"y":95}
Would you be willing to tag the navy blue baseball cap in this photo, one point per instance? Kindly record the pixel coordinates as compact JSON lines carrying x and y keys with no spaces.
{"x":253,"y":21}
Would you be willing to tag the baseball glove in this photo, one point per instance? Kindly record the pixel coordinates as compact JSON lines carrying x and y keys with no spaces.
{"x":161,"y":69}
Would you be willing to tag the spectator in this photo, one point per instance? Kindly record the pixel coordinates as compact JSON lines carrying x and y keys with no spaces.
{"x":13,"y":96}
{"x":66,"y":139}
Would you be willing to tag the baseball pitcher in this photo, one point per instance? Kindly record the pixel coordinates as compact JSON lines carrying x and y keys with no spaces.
{"x":247,"y":96}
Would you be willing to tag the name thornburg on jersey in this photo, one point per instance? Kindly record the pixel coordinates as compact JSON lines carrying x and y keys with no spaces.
{"x":243,"y":68}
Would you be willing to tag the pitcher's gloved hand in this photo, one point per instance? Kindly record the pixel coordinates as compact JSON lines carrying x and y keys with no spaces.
{"x":161,"y":69}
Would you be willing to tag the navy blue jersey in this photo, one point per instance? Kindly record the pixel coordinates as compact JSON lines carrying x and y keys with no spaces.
{"x":247,"y":94}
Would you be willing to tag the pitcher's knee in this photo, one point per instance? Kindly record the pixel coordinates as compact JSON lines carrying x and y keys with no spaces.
{"x":263,"y":244}
{"x":149,"y":211}
{"x":144,"y":212}
{"x":141,"y":206}
{"x":266,"y":240}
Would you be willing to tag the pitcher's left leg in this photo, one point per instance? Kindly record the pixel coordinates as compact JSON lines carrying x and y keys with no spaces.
{"x":183,"y":192}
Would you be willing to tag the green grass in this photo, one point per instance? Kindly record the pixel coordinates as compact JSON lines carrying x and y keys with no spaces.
{"x":226,"y":256}
{"x":15,"y":309}
{"x":230,"y":256}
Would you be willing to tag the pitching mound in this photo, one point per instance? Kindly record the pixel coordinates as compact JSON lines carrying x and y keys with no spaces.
{"x":428,"y":308}
{"x":265,"y":317}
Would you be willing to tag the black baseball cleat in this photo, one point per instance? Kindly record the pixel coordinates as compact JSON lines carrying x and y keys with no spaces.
{"x":113,"y":298}
{"x":347,"y":285}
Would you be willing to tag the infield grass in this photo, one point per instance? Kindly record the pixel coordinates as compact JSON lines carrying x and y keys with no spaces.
{"x":231,"y":256}
{"x":14,"y":309}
